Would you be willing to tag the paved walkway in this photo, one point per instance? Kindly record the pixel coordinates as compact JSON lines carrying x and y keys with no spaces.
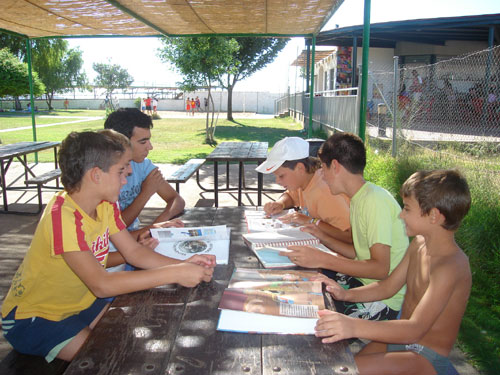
{"x":16,"y":230}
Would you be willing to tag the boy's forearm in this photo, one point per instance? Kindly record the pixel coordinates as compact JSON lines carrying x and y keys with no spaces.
{"x":389,"y":331}
{"x":285,"y":200}
{"x":368,"y":268}
{"x":175,"y":207}
{"x":133,"y":211}
{"x":145,"y":258}
{"x":345,"y":249}
{"x":336,"y":233}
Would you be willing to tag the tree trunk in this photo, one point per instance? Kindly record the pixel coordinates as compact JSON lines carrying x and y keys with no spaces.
{"x":208,"y":137}
{"x":17,"y":104}
{"x":48,"y":100}
{"x":230,"y":102}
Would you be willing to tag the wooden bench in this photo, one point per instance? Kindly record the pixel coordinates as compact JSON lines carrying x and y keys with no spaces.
{"x":41,"y":180}
{"x":22,"y":364}
{"x":184,"y":172}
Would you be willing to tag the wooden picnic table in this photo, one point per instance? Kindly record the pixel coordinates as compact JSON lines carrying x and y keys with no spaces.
{"x":240,"y":152}
{"x":20,"y":151}
{"x":172,"y":330}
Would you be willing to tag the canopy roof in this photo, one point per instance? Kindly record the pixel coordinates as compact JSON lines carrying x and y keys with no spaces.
{"x":66,"y":18}
{"x":430,"y":31}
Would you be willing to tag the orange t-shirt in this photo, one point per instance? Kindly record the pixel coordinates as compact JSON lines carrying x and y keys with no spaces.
{"x":321,"y":203}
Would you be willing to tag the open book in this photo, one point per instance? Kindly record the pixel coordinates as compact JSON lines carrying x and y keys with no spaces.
{"x":271,"y":301}
{"x":258,"y":221}
{"x":267,"y":245}
{"x":183,"y":243}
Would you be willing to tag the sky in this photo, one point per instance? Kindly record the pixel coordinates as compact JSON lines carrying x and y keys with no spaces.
{"x":139,"y":55}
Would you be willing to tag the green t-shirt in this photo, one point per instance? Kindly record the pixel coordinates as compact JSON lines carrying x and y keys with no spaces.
{"x":375,"y":219}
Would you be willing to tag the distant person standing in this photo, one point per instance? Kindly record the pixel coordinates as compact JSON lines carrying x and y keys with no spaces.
{"x":193,"y":106}
{"x":148,"y":105}
{"x":416,"y":86}
{"x":188,"y":106}
{"x":66,"y":104}
{"x":143,"y":105}
{"x":206,"y":104}
{"x":155,"y":104}
{"x":198,"y":104}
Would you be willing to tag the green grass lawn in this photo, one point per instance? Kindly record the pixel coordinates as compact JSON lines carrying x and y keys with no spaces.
{"x":174,"y":140}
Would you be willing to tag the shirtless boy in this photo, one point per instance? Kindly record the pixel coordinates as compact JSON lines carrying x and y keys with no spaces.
{"x":438,"y":279}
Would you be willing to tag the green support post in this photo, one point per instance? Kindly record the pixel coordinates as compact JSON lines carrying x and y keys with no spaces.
{"x":364,"y":74}
{"x":311,"y":91}
{"x":32,"y":100}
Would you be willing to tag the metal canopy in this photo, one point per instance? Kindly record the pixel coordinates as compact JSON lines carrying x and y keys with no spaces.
{"x":66,"y":18}
{"x":429,"y":31}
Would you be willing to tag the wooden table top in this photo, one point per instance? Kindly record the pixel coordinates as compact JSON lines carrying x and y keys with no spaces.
{"x":22,"y":148}
{"x":239,"y":151}
{"x":172,"y":329}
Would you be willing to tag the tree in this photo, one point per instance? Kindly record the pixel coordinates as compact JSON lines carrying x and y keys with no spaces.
{"x":201,"y":61}
{"x":111,"y":77}
{"x":14,"y":77}
{"x":58,"y":67}
{"x":254,"y":53}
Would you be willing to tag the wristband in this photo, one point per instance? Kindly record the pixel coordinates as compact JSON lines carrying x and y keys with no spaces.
{"x":313,"y":220}
{"x":317,"y":222}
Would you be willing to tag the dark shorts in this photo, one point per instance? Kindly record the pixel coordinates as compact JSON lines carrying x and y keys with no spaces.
{"x":365,"y":310}
{"x":46,"y":338}
{"x":440,"y":363}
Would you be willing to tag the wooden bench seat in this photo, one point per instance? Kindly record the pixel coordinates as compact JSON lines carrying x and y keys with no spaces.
{"x":41,"y":180}
{"x":184,"y":172}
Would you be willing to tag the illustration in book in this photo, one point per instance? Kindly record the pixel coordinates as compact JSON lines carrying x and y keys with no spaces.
{"x":258,"y":221}
{"x":182,"y":243}
{"x":284,"y":302}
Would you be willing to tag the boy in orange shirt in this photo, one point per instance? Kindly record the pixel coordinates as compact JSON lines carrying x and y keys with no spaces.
{"x":438,"y":279}
{"x":326,"y":215}
{"x":59,"y":292}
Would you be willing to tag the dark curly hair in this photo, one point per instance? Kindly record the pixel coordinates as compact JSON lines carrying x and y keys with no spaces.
{"x":124,"y":120}
{"x":83,"y":151}
{"x":348,"y":149}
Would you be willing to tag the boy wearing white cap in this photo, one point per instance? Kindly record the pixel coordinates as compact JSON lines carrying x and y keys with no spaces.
{"x":322,"y":213}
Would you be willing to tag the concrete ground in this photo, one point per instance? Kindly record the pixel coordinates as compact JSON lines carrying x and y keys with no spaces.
{"x":16,"y":230}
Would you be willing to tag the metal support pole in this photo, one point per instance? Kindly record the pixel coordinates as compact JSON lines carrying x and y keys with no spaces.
{"x":311,"y":93}
{"x":364,"y":74}
{"x":32,"y":100}
{"x":395,"y":105}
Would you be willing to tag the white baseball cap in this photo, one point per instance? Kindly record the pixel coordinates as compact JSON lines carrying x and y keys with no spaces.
{"x":289,"y":148}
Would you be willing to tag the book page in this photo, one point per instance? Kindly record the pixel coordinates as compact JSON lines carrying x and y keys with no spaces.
{"x":280,"y":238}
{"x":241,"y":321}
{"x":183,"y":243}
{"x":258,"y":221}
{"x":249,"y":274}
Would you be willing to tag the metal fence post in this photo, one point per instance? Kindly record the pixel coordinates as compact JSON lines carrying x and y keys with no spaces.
{"x":395,"y":105}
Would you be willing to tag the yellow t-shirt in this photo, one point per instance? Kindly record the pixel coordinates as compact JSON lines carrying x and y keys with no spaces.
{"x":321,"y":203}
{"x":44,"y":285}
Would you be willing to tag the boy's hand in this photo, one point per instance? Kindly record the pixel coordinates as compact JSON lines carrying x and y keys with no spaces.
{"x":192,"y":274}
{"x":205,"y":260}
{"x":334,"y":326}
{"x":174,"y":223}
{"x":273,"y":208}
{"x":149,"y":242}
{"x":332,"y":287}
{"x":305,"y":256}
{"x":312,"y":229}
{"x":151,"y":183}
{"x":295,"y":218}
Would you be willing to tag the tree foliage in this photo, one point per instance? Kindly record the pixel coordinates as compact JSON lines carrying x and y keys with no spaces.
{"x":58,"y":67}
{"x":201,"y":61}
{"x":253,"y":54}
{"x":111,"y":77}
{"x":14,"y":77}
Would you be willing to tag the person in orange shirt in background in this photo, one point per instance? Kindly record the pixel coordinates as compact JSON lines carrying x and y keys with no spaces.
{"x":188,"y":106}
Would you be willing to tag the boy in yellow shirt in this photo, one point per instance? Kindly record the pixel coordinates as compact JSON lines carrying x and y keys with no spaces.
{"x":58,"y":293}
{"x":438,"y":279}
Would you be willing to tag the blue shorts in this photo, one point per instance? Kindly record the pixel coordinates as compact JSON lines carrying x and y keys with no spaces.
{"x":46,"y":338}
{"x":440,"y":363}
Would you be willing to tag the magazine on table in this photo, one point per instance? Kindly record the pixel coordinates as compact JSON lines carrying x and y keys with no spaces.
{"x":183,"y":243}
{"x":271,"y":301}
{"x":259,"y":221}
